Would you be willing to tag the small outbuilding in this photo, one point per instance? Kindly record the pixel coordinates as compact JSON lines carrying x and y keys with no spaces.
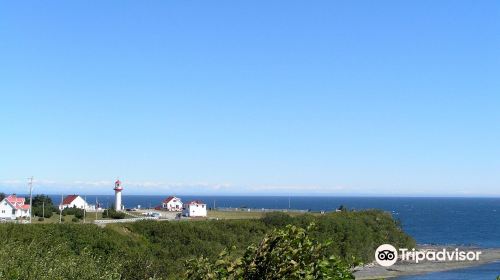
{"x":195,"y":208}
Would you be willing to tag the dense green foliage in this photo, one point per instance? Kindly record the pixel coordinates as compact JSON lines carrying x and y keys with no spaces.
{"x":41,"y":199}
{"x":77,"y":212}
{"x":283,"y":254}
{"x":43,"y":206}
{"x":113,"y":214}
{"x":158,"y":250}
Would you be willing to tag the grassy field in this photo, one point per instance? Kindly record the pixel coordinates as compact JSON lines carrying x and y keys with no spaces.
{"x":222,"y":215}
{"x":240,"y":215}
{"x":234,"y":215}
{"x":90,"y":217}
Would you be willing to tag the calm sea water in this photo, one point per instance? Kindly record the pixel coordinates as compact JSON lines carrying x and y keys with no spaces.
{"x":444,"y":221}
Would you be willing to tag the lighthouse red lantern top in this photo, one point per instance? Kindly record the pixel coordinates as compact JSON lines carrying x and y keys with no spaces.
{"x":118,"y":185}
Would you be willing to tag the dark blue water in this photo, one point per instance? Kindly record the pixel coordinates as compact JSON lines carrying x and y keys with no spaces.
{"x":444,"y":221}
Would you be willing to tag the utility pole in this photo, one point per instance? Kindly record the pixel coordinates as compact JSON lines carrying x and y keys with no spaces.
{"x":31,"y":196}
{"x":43,"y":209}
{"x":96,"y":207}
{"x":289,"y":204}
{"x":214,"y":204}
{"x":84,"y":209}
{"x":60,"y":210}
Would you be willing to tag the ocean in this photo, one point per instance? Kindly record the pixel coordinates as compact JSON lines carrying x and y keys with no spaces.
{"x":442,"y":221}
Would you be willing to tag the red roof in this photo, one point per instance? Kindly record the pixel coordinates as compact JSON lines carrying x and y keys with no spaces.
{"x":69,"y":199}
{"x":196,"y":202}
{"x":17,"y":202}
{"x":170,"y":198}
{"x":118,"y":185}
{"x":14,"y":199}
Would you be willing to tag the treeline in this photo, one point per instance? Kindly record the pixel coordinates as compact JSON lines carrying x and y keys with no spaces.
{"x":159,"y":250}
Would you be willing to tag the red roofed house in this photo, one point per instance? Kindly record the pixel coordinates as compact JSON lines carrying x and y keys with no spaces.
{"x":13,"y":207}
{"x":73,"y":200}
{"x":195,"y":208}
{"x":172,"y":203}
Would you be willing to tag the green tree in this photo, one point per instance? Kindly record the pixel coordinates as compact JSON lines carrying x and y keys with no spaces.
{"x":2,"y":196}
{"x":77,"y":212}
{"x":42,"y":206}
{"x":284,"y":254}
{"x":40,"y":199}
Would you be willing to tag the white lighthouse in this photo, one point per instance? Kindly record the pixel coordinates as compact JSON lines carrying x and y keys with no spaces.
{"x":118,"y":195}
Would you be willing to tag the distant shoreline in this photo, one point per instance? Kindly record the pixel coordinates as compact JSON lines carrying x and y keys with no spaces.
{"x":374,"y":271}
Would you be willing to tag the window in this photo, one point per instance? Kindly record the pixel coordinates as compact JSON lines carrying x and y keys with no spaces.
{"x":13,"y":211}
{"x":3,"y":211}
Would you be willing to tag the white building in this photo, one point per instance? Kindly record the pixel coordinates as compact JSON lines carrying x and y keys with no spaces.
{"x":13,"y":207}
{"x":118,"y":195}
{"x":74,"y":200}
{"x":172,"y":203}
{"x":195,"y":208}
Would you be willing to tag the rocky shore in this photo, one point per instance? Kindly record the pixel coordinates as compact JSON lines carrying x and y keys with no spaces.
{"x":375,"y":271}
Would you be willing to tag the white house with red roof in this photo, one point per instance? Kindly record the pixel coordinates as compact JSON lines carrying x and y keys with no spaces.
{"x":13,"y":207}
{"x":172,"y":203}
{"x":195,"y":208}
{"x":73,"y":200}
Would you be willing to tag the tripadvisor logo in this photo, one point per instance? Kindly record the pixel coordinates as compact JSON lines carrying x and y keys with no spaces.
{"x":387,"y":255}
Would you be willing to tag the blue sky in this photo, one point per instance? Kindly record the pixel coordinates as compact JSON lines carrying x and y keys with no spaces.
{"x":251,"y":97}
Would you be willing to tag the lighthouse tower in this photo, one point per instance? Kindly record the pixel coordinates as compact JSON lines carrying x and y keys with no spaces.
{"x":118,"y":195}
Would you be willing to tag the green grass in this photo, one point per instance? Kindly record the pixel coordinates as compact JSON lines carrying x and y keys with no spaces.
{"x":234,"y":215}
{"x":241,"y":215}
{"x":89,"y":218}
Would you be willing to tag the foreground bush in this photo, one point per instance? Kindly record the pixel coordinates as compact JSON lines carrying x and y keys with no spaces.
{"x":289,"y":253}
{"x":47,"y":261}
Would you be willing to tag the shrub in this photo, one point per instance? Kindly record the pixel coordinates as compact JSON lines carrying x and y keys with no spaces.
{"x":276,"y":219}
{"x":113,"y":214}
{"x":284,"y":254}
{"x":47,"y":260}
{"x":79,"y":214}
{"x":75,"y":220}
{"x":118,"y":215}
{"x":41,"y":219}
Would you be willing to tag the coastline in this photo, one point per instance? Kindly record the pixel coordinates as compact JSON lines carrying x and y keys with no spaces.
{"x":375,"y":271}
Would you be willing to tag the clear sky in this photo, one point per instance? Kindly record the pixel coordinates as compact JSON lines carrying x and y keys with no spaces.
{"x":251,"y":97}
